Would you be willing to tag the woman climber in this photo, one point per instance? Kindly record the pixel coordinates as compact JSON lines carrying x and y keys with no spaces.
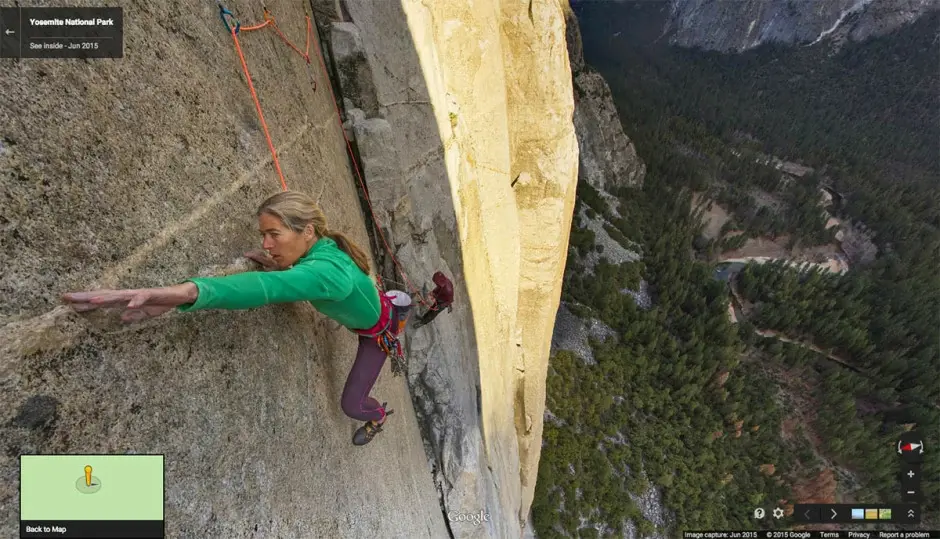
{"x":306,"y":262}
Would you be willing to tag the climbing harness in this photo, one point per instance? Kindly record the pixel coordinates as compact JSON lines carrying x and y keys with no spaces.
{"x":391,"y":324}
{"x":390,"y":344}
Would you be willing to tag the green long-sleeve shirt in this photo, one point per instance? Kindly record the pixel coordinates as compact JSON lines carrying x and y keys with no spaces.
{"x":325,"y":276}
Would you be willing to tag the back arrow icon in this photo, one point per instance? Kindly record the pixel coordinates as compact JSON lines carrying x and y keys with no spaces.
{"x":8,"y":32}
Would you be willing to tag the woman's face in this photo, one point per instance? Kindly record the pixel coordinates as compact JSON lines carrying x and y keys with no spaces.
{"x":283,"y":244}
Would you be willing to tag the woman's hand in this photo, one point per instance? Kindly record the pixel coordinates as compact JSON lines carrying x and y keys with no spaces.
{"x":138,"y":304}
{"x":261,"y":256}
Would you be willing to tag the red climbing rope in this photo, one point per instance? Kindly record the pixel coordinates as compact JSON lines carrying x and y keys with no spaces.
{"x":269,"y":21}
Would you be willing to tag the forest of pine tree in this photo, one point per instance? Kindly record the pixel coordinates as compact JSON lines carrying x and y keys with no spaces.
{"x":654,"y":411}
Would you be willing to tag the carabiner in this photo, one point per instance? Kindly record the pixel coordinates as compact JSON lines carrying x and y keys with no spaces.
{"x":222,"y":13}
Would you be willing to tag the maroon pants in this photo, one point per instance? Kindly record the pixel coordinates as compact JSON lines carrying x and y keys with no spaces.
{"x":356,"y":401}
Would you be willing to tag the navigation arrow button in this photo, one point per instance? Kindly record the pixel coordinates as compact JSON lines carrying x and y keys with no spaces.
{"x":806,"y":512}
{"x":909,"y":513}
{"x":9,"y":36}
{"x":835,"y":513}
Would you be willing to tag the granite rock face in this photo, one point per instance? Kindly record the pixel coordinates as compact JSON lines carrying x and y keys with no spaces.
{"x":606,"y":158}
{"x":142,"y":172}
{"x":471,"y":162}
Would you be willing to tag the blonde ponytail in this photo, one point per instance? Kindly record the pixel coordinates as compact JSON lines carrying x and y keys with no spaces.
{"x":297,"y":210}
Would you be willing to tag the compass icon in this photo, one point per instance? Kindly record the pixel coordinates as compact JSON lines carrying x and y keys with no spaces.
{"x":911,"y":447}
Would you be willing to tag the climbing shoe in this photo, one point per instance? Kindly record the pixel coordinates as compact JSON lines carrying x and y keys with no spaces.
{"x":365,"y":433}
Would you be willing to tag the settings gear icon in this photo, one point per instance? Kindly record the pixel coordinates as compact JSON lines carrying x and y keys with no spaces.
{"x":778,"y":513}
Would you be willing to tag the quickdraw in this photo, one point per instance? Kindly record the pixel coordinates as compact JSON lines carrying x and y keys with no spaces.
{"x":387,"y":338}
{"x":222,"y":13}
{"x":390,"y":344}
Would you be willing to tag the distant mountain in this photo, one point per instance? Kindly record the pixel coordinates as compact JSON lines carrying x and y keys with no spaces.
{"x":744,"y":24}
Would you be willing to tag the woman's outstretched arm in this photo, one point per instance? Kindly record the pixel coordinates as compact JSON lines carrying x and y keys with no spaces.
{"x":139,"y":304}
{"x":304,"y":282}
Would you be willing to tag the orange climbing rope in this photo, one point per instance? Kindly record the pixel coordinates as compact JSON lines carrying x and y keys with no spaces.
{"x":234,"y":30}
{"x":269,"y":21}
{"x":264,"y":125}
